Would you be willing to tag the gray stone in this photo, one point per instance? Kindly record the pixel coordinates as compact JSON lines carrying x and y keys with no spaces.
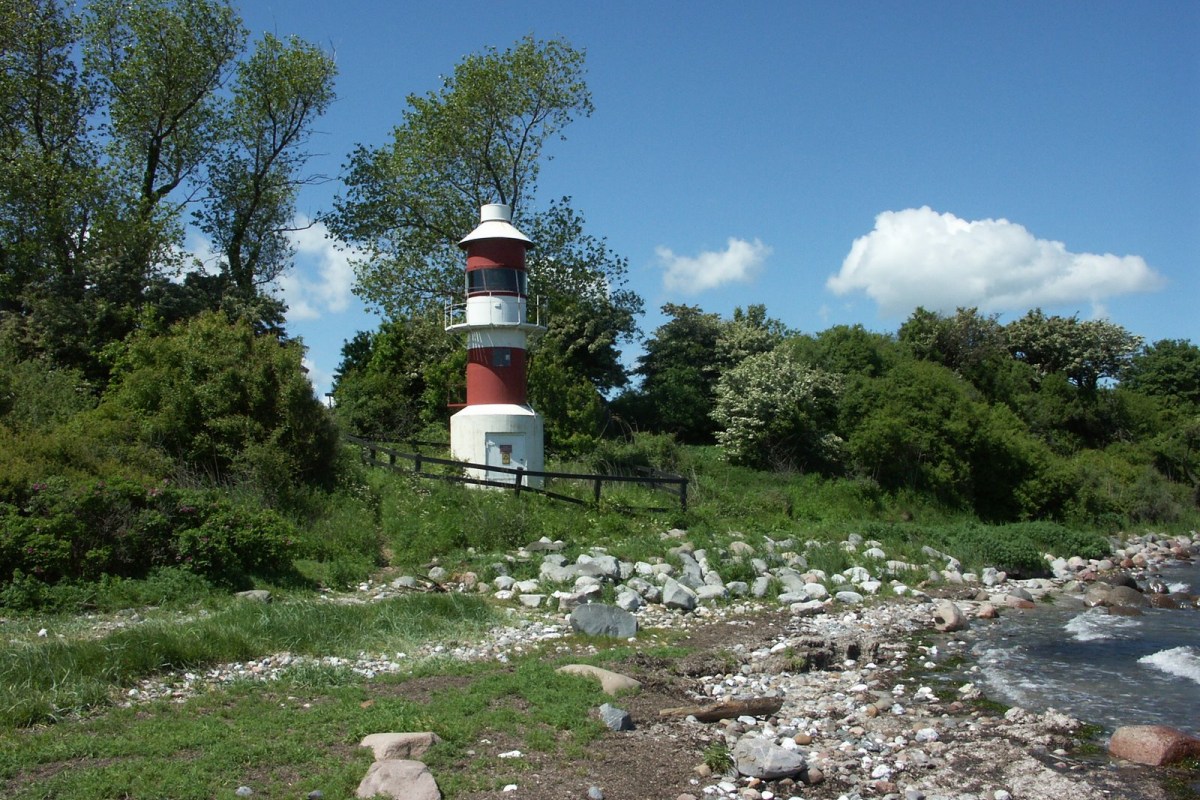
{"x":615,"y":719}
{"x":568,"y":601}
{"x":557,"y":573}
{"x":760,"y":758}
{"x":598,"y":619}
{"x":815,"y":591}
{"x":438,"y":574}
{"x":595,"y":793}
{"x":709,"y":592}
{"x":502,"y":582}
{"x":1019,"y":593}
{"x":628,"y":600}
{"x":244,"y":791}
{"x":544,"y":545}
{"x":792,"y":581}
{"x":741,"y":549}
{"x":849,"y":598}
{"x":676,"y":595}
{"x":399,"y":779}
{"x":531,"y":600}
{"x":737,"y":588}
{"x":760,"y":587}
{"x":255,"y":595}
{"x":760,"y":566}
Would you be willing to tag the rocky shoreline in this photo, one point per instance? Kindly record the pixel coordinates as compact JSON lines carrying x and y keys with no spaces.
{"x":862,"y":712}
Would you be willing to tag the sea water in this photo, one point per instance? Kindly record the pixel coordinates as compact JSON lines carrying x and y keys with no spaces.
{"x":1103,"y":669}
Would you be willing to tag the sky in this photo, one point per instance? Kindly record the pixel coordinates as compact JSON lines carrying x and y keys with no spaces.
{"x":841,"y":163}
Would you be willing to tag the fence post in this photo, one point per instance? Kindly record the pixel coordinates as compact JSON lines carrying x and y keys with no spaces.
{"x":683,"y":494}
{"x":596,"y":491}
{"x":520,"y":479}
{"x":417,"y":464}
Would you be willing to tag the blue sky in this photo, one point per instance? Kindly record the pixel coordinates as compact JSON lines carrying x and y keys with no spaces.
{"x":838,"y":162}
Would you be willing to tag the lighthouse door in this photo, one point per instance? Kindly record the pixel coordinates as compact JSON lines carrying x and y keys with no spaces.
{"x":505,"y":450}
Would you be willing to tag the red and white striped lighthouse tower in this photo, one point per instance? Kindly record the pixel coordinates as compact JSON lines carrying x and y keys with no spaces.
{"x":497,"y":427}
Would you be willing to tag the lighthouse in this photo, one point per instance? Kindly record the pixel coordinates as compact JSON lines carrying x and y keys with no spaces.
{"x":497,"y":428}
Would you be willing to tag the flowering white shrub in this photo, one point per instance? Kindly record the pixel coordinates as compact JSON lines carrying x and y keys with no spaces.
{"x":776,"y":412}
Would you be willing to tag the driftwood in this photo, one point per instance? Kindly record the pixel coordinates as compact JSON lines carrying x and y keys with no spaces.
{"x":727,"y":709}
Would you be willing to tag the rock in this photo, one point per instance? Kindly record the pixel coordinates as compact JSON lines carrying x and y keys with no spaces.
{"x":740,"y":549}
{"x":595,"y":793}
{"x":760,"y":758}
{"x":399,"y":779}
{"x":1155,"y":745}
{"x":676,"y":595}
{"x":948,"y":617}
{"x":1012,"y":601}
{"x":610,"y":682}
{"x":244,"y":791}
{"x":400,"y":745}
{"x":1125,"y":596}
{"x":815,"y":591}
{"x":598,"y":619}
{"x":437,"y":574}
{"x":628,"y":599}
{"x":255,"y":595}
{"x":1019,"y":593}
{"x":531,"y":600}
{"x":709,"y":592}
{"x":616,"y":719}
{"x":986,"y":611}
{"x":849,"y":598}
{"x":759,"y":588}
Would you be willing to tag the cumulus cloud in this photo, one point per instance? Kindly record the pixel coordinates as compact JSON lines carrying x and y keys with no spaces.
{"x":322,"y":280}
{"x":918,"y":257}
{"x":739,"y":261}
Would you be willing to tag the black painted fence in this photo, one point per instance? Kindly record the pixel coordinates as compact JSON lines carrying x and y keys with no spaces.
{"x":386,"y":455}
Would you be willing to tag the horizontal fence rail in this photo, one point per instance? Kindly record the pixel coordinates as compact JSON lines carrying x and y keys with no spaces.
{"x":384,"y":454}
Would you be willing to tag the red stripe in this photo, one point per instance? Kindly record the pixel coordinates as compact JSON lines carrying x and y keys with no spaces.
{"x":489,"y":384}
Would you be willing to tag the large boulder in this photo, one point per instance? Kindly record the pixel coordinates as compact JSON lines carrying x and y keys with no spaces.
{"x":948,"y":617}
{"x":400,"y":745}
{"x":598,"y":619}
{"x":610,"y":682}
{"x":760,"y":758}
{"x":399,"y":779}
{"x":1155,"y":745}
{"x":676,"y":595}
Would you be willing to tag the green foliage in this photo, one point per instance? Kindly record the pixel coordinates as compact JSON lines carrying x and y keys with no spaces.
{"x":226,"y":403}
{"x":1086,"y":352}
{"x":395,"y":381}
{"x":679,"y":372}
{"x":1169,"y":368}
{"x":918,"y":431}
{"x":779,"y":414}
{"x":57,"y":531}
{"x":571,"y":408}
{"x":657,"y":451}
{"x":1018,"y":548}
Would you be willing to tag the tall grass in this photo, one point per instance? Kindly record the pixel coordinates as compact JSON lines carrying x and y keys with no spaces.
{"x":45,"y":679}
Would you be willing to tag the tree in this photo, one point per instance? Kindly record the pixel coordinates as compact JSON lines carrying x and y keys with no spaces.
{"x":478,"y":140}
{"x":225,"y":403}
{"x":1169,"y":368}
{"x":393,"y":382}
{"x":51,"y":189}
{"x":777,"y":413}
{"x":749,"y":333}
{"x":159,"y":65}
{"x":679,"y":372}
{"x":277,"y":95}
{"x":1086,"y":352}
{"x":481,"y":139}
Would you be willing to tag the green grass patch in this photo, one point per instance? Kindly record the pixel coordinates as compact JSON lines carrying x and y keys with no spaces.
{"x":47,"y":679}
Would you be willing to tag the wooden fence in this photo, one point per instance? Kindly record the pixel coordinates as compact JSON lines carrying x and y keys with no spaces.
{"x":386,"y":455}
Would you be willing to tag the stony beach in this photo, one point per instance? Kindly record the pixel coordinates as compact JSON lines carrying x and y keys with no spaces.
{"x":854,"y":662}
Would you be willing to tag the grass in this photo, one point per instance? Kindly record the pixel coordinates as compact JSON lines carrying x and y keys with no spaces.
{"x":48,"y":679}
{"x":290,"y":737}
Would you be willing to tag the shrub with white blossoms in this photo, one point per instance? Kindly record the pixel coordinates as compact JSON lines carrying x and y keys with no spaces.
{"x":776,"y":412}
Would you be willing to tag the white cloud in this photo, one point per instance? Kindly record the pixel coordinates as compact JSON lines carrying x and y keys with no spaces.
{"x":918,"y":257}
{"x":319,"y":378}
{"x":322,"y":279}
{"x":739,"y":261}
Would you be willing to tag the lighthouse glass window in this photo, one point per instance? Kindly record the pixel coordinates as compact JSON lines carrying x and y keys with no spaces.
{"x":499,"y":280}
{"x":502,"y":357}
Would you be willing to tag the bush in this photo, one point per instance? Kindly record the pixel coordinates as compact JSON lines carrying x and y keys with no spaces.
{"x":59,"y":531}
{"x":641,"y":451}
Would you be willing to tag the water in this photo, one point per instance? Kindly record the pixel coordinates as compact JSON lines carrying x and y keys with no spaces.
{"x":1106,"y":670}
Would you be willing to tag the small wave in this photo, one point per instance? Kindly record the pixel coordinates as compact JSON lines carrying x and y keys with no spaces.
{"x":1179,"y":588}
{"x":1182,"y":662}
{"x":1092,"y":626}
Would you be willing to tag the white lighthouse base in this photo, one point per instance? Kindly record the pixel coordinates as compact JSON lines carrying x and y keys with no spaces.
{"x":508,"y":436}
